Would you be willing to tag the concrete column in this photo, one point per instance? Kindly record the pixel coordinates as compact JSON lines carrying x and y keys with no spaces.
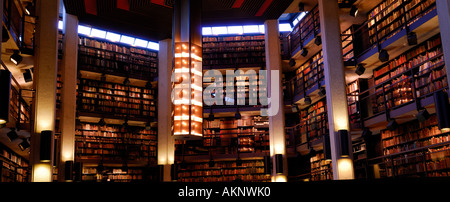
{"x":276,"y":122}
{"x":69,"y":92}
{"x":335,"y":87}
{"x":166,"y":143}
{"x":44,"y":103}
{"x":443,"y":11}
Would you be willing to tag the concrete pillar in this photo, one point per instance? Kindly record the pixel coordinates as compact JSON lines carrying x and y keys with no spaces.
{"x":166,"y":143}
{"x":44,"y":103}
{"x":443,"y":11}
{"x":335,"y":87}
{"x":68,"y":92}
{"x":276,"y":122}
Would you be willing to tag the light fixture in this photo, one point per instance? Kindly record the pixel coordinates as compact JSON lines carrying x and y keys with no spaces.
{"x":12,"y":135}
{"x":103,"y":77}
{"x":124,"y":167}
{"x":173,"y":172}
{"x":78,"y":171}
{"x":24,"y":144}
{"x":312,"y":152}
{"x":279,"y":163}
{"x":5,"y":92}
{"x":45,"y":152}
{"x":28,"y":8}
{"x":292,"y":62}
{"x":307,"y":100}
{"x":68,"y":171}
{"x":392,"y":125}
{"x":27,"y":76}
{"x":383,"y":55}
{"x":211,"y":117}
{"x":5,"y":35}
{"x":423,"y":115}
{"x":442,"y":110}
{"x":360,"y":69}
{"x":301,"y":7}
{"x":318,"y":40}
{"x":267,"y":165}
{"x":322,"y":91}
{"x":187,"y":70}
{"x":16,"y":58}
{"x":238,"y":115}
{"x":148,"y":85}
{"x":102,"y":122}
{"x":343,"y":136}
{"x":100,"y":168}
{"x":353,"y":11}
{"x":304,"y":52}
{"x":326,"y":147}
{"x":412,"y":38}
{"x":148,"y":126}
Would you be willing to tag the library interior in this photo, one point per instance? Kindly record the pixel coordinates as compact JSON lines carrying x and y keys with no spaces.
{"x":280,"y":90}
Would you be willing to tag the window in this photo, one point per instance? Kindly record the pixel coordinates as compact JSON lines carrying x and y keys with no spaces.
{"x":206,"y":31}
{"x":98,"y":33}
{"x":285,"y":27}
{"x":113,"y":36}
{"x":251,"y":29}
{"x":219,"y":30}
{"x":127,"y":40}
{"x":84,"y":30}
{"x":235,"y":30}
{"x":141,"y":43}
{"x":153,"y":46}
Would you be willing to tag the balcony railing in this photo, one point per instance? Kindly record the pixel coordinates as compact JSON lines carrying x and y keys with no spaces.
{"x":20,"y":24}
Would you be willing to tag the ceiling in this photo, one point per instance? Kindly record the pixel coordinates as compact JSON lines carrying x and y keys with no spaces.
{"x":152,"y":19}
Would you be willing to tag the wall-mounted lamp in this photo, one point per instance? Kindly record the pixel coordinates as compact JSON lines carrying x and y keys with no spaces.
{"x":343,"y":136}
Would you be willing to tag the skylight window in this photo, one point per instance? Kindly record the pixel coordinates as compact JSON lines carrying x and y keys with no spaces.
{"x":113,"y":36}
{"x":206,"y":31}
{"x":127,"y":40}
{"x":235,"y":30}
{"x":98,"y":33}
{"x":285,"y":27}
{"x":219,"y":30}
{"x":153,"y":46}
{"x":60,"y":25}
{"x":141,"y":43}
{"x":84,"y":30}
{"x":262,"y":29}
{"x":251,"y":29}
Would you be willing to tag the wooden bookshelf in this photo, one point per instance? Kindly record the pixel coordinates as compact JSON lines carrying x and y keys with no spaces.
{"x":224,"y":171}
{"x":320,"y":168}
{"x":233,"y":51}
{"x":305,"y":29}
{"x":309,"y":74}
{"x":116,"y":99}
{"x":414,"y":74}
{"x":117,"y":174}
{"x":115,"y":143}
{"x":354,"y":90}
{"x":230,"y":135}
{"x":314,"y":121}
{"x":111,"y":58}
{"x":13,"y":167}
{"x":390,"y":16}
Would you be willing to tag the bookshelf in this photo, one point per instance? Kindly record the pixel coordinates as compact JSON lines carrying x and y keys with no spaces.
{"x":233,"y":51}
{"x":116,"y":99}
{"x":224,"y":171}
{"x":416,"y":149}
{"x":13,"y":167}
{"x":115,"y":143}
{"x":309,"y":74}
{"x":306,"y":28}
{"x":314,"y":121}
{"x":390,"y":16}
{"x":414,"y":74}
{"x":117,"y":174}
{"x":347,"y":46}
{"x":111,"y":58}
{"x":230,"y":135}
{"x":320,"y":168}
{"x":354,"y":90}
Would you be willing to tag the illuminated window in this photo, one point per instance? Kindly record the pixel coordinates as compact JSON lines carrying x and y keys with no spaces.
{"x":112,"y":36}
{"x":141,"y":43}
{"x":98,"y":33}
{"x":285,"y":27}
{"x":84,"y":30}
{"x":127,"y":40}
{"x":219,"y":30}
{"x":251,"y":29}
{"x":153,"y":46}
{"x":206,"y":31}
{"x":262,"y":29}
{"x":235,"y":30}
{"x":60,"y":25}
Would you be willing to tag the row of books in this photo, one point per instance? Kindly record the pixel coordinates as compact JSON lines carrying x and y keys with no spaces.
{"x":244,"y":177}
{"x":233,"y":55}
{"x":235,"y":61}
{"x":232,"y":38}
{"x":219,"y":49}
{"x":83,"y":41}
